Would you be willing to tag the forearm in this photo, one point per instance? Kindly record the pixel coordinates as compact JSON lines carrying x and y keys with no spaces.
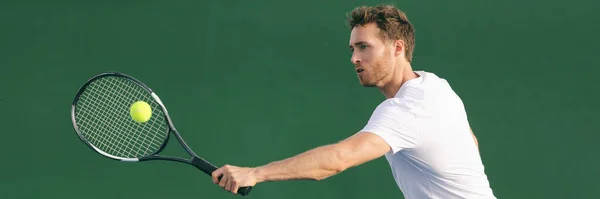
{"x":315,"y":164}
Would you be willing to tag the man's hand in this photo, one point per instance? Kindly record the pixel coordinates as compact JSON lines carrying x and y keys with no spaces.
{"x":234,"y":177}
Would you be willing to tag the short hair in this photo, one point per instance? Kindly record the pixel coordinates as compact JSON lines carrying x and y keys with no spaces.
{"x":392,"y":22}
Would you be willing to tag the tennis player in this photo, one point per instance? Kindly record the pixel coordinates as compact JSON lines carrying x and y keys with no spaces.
{"x":421,"y":127}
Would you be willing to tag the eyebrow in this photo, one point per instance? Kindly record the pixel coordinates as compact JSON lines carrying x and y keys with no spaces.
{"x":359,"y":43}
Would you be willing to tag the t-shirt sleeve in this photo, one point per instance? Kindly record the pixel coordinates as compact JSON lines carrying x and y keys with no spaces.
{"x":395,"y":125}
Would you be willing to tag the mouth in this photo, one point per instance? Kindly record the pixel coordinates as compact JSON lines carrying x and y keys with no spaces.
{"x":359,"y":70}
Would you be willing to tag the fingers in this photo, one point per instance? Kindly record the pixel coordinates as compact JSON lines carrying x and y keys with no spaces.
{"x":221,"y":176}
{"x":233,"y":183}
{"x":216,"y":174}
{"x":224,"y":181}
{"x":229,"y":184}
{"x":234,"y":187}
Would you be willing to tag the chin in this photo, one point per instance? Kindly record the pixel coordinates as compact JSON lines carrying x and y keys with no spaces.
{"x":367,"y":84}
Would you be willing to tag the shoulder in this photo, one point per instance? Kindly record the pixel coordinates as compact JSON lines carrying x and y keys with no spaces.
{"x":394,"y":109}
{"x":418,"y":96}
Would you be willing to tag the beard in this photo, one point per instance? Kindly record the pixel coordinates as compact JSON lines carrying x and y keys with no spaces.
{"x":373,"y":75}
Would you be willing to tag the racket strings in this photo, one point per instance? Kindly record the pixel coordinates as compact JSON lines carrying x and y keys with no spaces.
{"x":144,"y":142}
{"x":155,"y":113}
{"x":105,"y":143}
{"x":102,"y":115}
{"x":112,"y":146}
{"x":109,"y":141}
{"x":136,"y":142}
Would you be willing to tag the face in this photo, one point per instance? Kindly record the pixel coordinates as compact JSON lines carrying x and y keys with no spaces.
{"x":373,"y":59}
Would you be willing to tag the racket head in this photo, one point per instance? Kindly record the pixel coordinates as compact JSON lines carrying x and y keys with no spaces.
{"x":101,"y":119}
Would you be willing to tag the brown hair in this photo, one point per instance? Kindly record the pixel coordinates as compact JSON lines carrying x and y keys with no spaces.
{"x":392,"y":22}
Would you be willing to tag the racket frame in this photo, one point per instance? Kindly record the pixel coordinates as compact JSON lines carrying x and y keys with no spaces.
{"x":139,"y":83}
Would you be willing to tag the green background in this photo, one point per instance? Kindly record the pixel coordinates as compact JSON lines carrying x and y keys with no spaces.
{"x":250,"y":82}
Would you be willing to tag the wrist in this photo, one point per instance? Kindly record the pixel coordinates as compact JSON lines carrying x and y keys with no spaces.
{"x":259,"y":174}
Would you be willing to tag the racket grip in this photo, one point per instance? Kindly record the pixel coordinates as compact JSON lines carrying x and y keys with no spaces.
{"x":203,"y":165}
{"x":244,"y":191}
{"x":208,"y":168}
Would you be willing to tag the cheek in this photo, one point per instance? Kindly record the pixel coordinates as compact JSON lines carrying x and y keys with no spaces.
{"x":368,"y":56}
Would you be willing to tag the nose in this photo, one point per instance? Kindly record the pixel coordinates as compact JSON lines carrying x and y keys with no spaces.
{"x":354,"y":59}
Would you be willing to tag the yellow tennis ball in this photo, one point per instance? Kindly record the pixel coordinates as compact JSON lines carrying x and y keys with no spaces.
{"x":140,"y":111}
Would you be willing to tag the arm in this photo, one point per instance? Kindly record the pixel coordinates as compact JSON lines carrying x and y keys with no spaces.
{"x":474,"y":138}
{"x":325,"y":161}
{"x":391,"y":128}
{"x":315,"y":164}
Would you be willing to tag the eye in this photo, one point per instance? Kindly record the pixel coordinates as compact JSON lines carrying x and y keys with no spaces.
{"x":362,"y":46}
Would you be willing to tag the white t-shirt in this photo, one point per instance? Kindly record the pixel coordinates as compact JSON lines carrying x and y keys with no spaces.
{"x":433,"y":154}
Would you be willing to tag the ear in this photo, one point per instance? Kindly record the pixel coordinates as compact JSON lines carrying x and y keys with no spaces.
{"x":399,"y":47}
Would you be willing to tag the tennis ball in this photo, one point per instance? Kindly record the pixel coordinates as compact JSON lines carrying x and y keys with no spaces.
{"x":140,"y":111}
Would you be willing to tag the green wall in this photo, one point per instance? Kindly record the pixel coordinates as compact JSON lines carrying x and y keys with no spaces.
{"x":276,"y":76}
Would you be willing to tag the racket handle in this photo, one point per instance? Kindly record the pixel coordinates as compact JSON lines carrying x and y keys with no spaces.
{"x":203,"y":165}
{"x":244,"y":191}
{"x":208,"y":168}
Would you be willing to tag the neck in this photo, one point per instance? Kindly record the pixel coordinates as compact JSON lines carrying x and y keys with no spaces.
{"x":402,"y":73}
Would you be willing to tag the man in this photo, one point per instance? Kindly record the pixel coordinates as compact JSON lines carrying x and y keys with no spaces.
{"x":421,"y":127}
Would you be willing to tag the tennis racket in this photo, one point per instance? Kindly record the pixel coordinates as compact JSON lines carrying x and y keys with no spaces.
{"x":101,"y":118}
